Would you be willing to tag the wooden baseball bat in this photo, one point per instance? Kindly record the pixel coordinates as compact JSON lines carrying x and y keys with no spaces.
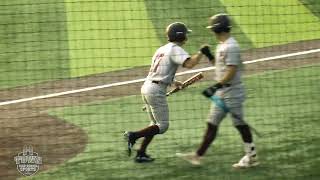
{"x":185,"y":84}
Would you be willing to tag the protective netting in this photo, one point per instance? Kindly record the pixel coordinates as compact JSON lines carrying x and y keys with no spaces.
{"x":72,"y":72}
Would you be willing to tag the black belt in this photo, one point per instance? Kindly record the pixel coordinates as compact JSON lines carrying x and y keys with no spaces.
{"x":156,"y":82}
{"x":160,"y":83}
{"x":226,"y":85}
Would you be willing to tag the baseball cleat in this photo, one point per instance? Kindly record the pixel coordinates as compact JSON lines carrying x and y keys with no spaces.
{"x":143,"y":158}
{"x":192,"y":158}
{"x":129,"y":137}
{"x":247,"y":162}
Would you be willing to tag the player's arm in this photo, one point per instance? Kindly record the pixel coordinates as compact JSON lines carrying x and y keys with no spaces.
{"x":177,"y":84}
{"x":204,"y":51}
{"x":192,"y":61}
{"x":231,"y":70}
{"x":229,"y":74}
{"x":233,"y":62}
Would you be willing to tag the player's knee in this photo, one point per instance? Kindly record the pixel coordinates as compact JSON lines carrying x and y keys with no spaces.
{"x":163,"y":127}
{"x":238,"y":120}
{"x":239,"y":123}
{"x":213,"y":123}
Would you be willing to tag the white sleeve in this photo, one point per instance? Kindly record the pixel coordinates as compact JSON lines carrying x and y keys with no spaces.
{"x":179,"y":55}
{"x":233,"y":56}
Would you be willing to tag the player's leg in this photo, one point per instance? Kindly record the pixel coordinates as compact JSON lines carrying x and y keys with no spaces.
{"x":215,"y":117}
{"x":159,"y":114}
{"x":160,"y":123}
{"x":148,"y":131}
{"x":146,"y":141}
{"x":250,"y":158}
{"x":141,"y":153}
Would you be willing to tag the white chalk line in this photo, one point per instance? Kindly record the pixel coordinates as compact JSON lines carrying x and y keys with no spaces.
{"x":142,"y":80}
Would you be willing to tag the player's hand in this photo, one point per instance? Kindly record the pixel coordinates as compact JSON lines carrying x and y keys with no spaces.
{"x":178,"y":84}
{"x":205,"y":49}
{"x":210,"y":91}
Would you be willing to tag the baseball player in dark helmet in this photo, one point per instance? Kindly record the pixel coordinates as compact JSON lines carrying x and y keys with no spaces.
{"x":227,"y":94}
{"x":164,"y":65}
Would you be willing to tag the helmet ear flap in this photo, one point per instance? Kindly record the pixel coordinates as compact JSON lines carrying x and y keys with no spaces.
{"x":171,"y":37}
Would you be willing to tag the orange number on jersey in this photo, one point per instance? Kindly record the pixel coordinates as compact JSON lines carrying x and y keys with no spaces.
{"x":156,"y":62}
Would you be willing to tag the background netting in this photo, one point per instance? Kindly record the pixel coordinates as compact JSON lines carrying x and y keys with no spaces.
{"x":68,"y":89}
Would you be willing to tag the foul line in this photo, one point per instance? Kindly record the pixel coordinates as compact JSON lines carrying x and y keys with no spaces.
{"x":141,"y":80}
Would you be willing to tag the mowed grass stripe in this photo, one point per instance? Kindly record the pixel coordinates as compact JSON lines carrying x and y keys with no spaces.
{"x":282,"y":105}
{"x":108,"y":35}
{"x":273,"y":22}
{"x":313,"y":5}
{"x":33,"y":43}
{"x":105,"y":36}
{"x":195,"y":14}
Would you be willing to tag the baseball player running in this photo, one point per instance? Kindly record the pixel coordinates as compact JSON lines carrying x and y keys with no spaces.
{"x":165,"y":63}
{"x":228,"y":94}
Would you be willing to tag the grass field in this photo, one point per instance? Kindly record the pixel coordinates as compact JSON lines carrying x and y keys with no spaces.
{"x":108,"y":35}
{"x":282,"y":105}
{"x":48,"y":39}
{"x":265,"y":22}
{"x":34,"y":42}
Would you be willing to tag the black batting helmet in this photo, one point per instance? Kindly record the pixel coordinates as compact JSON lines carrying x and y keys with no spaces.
{"x":177,"y":32}
{"x":220,"y":23}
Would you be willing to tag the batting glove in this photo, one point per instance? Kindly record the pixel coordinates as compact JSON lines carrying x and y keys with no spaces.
{"x":205,"y":49}
{"x":210,"y":91}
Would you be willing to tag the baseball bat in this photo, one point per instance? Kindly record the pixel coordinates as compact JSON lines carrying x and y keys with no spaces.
{"x":185,"y":84}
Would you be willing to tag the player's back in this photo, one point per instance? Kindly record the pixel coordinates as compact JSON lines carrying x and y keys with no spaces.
{"x":165,"y":63}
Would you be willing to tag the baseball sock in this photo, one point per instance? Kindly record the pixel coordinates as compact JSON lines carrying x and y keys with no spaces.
{"x":209,"y":136}
{"x":146,"y":141}
{"x":250,"y":149}
{"x":146,"y":132}
{"x":245,"y":133}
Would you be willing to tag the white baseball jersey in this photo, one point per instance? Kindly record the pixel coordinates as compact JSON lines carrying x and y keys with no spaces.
{"x":228,"y":53}
{"x":165,"y":63}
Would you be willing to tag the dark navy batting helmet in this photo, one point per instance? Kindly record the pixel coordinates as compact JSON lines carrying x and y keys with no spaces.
{"x":177,"y":32}
{"x":220,"y":23}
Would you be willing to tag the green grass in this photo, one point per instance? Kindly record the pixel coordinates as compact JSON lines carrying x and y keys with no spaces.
{"x":273,"y":22}
{"x":113,"y":35}
{"x":313,"y":5}
{"x":195,"y":14}
{"x":108,"y":35}
{"x":282,"y":105}
{"x":33,"y":43}
{"x":49,"y":40}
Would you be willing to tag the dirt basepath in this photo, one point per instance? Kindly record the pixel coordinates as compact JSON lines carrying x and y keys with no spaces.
{"x":28,"y":123}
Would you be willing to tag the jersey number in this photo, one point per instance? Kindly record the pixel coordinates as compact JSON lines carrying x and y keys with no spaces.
{"x":156,"y":62}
